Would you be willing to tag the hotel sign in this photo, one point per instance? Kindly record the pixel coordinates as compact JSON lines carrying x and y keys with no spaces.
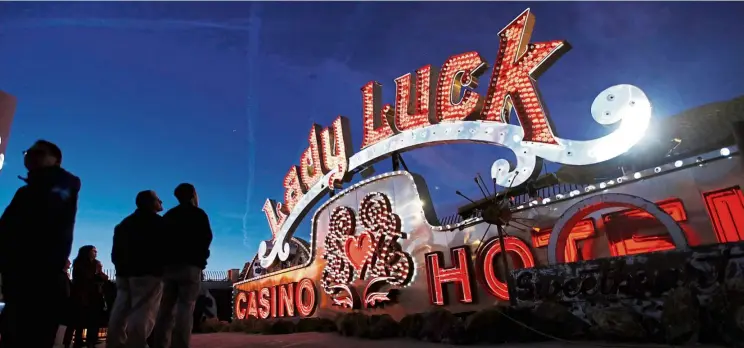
{"x":365,"y":241}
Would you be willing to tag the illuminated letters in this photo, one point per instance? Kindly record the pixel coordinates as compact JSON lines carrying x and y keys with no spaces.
{"x":253,"y":304}
{"x":310,"y":166}
{"x":274,"y":216}
{"x":459,"y":273}
{"x":306,"y":297}
{"x":280,"y":301}
{"x":336,"y":142}
{"x":376,"y":118}
{"x":265,"y":310}
{"x":441,"y":106}
{"x":414,"y":103}
{"x":454,"y":103}
{"x":286,"y":300}
{"x":487,"y":256}
{"x":293,"y":190}
{"x":513,"y":84}
{"x":240,"y":301}
{"x":328,"y":150}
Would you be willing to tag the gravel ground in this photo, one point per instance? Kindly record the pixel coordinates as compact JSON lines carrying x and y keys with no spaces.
{"x":326,"y":340}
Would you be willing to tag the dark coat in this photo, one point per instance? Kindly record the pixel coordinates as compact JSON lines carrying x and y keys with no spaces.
{"x":41,"y":216}
{"x":87,"y":284}
{"x":138,"y":245}
{"x":68,"y":309}
{"x":189,"y":236}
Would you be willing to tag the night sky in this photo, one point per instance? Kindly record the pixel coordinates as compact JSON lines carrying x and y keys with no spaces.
{"x":148,"y":95}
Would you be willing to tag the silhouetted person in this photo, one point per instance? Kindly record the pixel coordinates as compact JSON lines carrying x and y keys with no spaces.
{"x":186,"y":255}
{"x":87,"y":295}
{"x":35,"y":242}
{"x":67,"y":310}
{"x":137,"y":256}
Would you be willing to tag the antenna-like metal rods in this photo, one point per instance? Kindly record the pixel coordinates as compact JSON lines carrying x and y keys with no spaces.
{"x":485,"y":186}
{"x":477,"y":182}
{"x":464,"y":196}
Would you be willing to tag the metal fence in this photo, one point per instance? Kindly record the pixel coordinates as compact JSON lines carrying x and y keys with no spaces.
{"x":207,"y":275}
{"x":515,"y":201}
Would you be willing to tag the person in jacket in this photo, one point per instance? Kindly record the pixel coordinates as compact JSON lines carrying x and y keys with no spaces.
{"x":188,"y":226}
{"x":87,"y":295}
{"x":41,"y":216}
{"x":137,"y":255}
{"x":68,"y":311}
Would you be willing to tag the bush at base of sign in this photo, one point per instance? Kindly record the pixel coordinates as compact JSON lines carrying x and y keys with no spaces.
{"x":269,"y":327}
{"x":678,"y":320}
{"x":363,"y":326}
{"x":316,"y":325}
{"x":212,"y":325}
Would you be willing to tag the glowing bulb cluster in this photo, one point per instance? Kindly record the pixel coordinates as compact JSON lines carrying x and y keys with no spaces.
{"x":512,"y":81}
{"x":374,"y":254}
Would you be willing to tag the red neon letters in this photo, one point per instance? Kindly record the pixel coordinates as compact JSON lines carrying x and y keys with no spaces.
{"x":521,"y":256}
{"x":437,"y":276}
{"x":512,"y":85}
{"x":327,"y":151}
{"x":461,"y":273}
{"x":583,"y":230}
{"x":414,"y":103}
{"x":281,"y":301}
{"x":726,"y":211}
{"x":624,"y":229}
{"x":437,"y":95}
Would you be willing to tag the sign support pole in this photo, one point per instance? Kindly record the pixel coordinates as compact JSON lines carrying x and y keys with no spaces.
{"x":505,"y":262}
{"x":398,"y":161}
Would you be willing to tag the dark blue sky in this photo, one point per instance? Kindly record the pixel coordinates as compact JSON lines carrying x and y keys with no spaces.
{"x":147,"y":95}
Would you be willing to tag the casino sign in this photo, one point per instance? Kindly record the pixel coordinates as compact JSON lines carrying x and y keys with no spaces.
{"x":377,"y":245}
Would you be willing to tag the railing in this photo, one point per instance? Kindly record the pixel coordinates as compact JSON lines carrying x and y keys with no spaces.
{"x":207,"y":275}
{"x":515,"y":201}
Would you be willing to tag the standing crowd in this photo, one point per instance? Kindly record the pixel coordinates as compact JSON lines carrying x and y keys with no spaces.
{"x":158,"y":260}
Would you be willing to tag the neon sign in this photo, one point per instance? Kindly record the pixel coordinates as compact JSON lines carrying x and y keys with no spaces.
{"x":464,"y":270}
{"x":363,"y":237}
{"x":374,"y":254}
{"x":281,"y":301}
{"x":441,"y":105}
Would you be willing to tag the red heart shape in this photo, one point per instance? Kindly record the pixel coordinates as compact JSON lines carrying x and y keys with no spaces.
{"x":358,"y":249}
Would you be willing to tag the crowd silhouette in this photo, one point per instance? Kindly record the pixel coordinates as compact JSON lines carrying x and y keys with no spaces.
{"x":158,"y":261}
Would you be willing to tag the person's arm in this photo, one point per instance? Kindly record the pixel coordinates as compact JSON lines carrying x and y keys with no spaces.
{"x":8,"y":214}
{"x":61,"y":208}
{"x":118,"y":243}
{"x":205,"y":235}
{"x":99,"y":272}
{"x":7,"y":229}
{"x":82,"y":273}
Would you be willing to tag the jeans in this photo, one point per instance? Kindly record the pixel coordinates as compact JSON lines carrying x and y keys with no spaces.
{"x":176,"y":317}
{"x":31,"y":314}
{"x":134,"y":312}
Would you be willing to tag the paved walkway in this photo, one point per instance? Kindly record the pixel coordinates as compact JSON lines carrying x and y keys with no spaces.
{"x":332,"y":340}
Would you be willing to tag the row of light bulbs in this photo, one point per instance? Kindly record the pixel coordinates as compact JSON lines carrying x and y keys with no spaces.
{"x":700,"y":160}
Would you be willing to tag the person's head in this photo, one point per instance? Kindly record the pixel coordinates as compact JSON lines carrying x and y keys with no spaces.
{"x":86,"y":253}
{"x":186,"y":194}
{"x":149,"y":201}
{"x":42,"y":154}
